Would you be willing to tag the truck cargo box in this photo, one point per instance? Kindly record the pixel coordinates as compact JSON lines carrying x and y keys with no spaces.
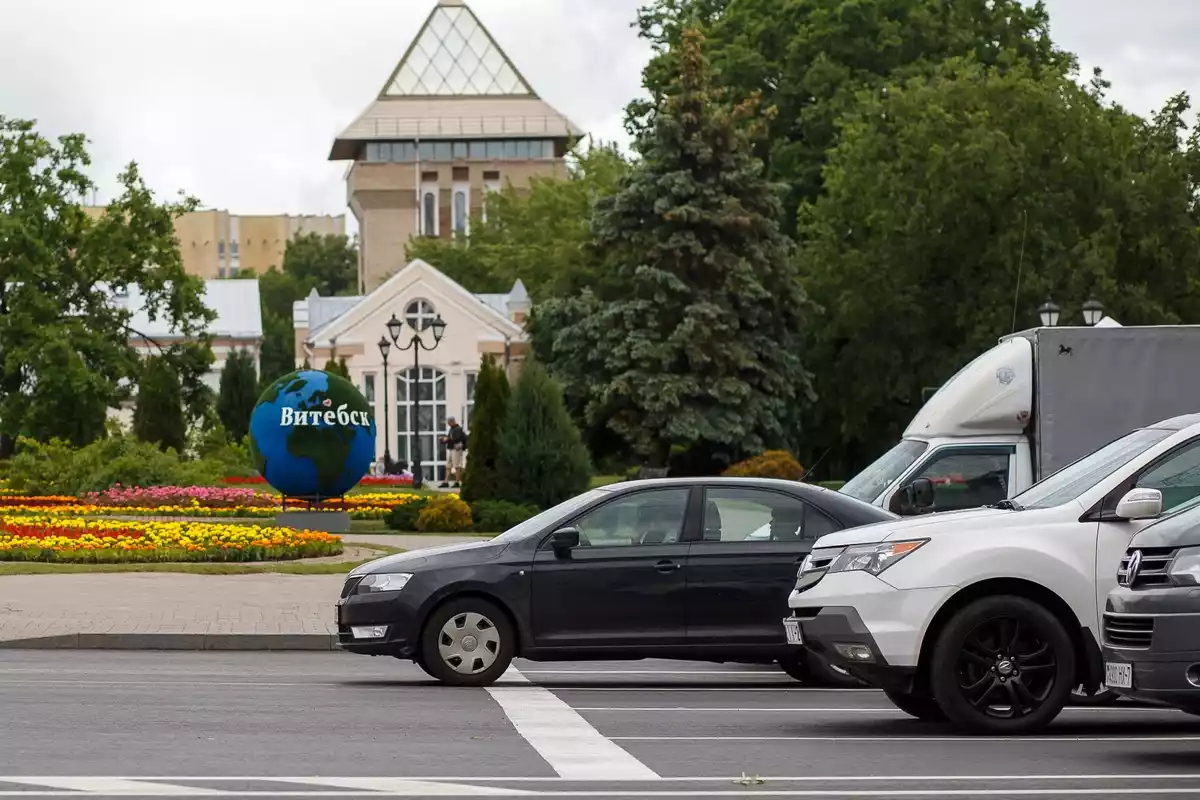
{"x":1096,"y":384}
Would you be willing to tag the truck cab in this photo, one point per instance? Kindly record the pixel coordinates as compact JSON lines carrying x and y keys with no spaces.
{"x":969,"y":441}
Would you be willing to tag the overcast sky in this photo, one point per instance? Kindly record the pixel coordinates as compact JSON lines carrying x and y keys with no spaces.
{"x":238,"y":101}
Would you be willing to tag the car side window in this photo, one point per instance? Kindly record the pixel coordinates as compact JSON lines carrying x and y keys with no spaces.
{"x":1177,"y":476}
{"x":651,"y":517}
{"x":740,"y":515}
{"x":967,"y":479}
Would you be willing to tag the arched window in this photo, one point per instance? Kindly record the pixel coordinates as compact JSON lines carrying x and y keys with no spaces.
{"x":430,"y":224}
{"x":460,"y":211}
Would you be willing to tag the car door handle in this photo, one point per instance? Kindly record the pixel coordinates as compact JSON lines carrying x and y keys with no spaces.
{"x":666,"y":566}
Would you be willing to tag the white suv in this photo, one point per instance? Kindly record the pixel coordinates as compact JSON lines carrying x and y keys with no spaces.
{"x":989,"y":617}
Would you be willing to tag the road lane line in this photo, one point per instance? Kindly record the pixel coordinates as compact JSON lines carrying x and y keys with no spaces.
{"x":405,"y":787}
{"x":561,"y":736}
{"x":458,"y":791}
{"x":885,"y":739}
{"x":111,"y":786}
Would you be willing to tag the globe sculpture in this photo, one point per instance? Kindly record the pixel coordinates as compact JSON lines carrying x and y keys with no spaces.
{"x":312,"y":435}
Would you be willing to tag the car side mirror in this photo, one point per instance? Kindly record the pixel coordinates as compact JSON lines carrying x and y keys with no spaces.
{"x":915,"y":498}
{"x":1140,"y":504}
{"x":564,"y":540}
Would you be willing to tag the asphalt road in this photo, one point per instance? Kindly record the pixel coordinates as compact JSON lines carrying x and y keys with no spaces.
{"x":334,"y":725}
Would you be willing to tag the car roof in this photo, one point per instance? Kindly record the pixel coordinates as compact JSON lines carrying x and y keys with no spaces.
{"x":1182,"y":422}
{"x":828,"y":496}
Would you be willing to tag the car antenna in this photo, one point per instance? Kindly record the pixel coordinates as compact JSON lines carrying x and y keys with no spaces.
{"x":816,"y":463}
{"x":1020,"y":265}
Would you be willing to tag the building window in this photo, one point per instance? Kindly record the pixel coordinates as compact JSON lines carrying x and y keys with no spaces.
{"x":430,"y":425}
{"x":429,"y":223}
{"x":510,"y":150}
{"x":369,"y":388}
{"x":460,"y":210}
{"x":469,"y":406}
{"x":495,"y":151}
{"x":426,"y":151}
{"x":420,"y":314}
{"x":460,"y":150}
{"x":442,"y":151}
{"x":478,"y":151}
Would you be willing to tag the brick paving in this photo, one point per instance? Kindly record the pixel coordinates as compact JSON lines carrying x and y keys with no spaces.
{"x":162,"y":603}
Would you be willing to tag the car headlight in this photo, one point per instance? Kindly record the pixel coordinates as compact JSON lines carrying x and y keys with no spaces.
{"x":384,"y":582}
{"x":873,"y":558}
{"x":1185,"y":569}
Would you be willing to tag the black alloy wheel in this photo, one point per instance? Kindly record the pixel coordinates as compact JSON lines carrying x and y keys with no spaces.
{"x":1003,"y":665}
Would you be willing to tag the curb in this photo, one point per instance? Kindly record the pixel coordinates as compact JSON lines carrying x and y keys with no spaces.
{"x":177,"y":641}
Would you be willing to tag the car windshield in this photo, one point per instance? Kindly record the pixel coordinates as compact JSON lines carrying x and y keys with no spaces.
{"x":872,"y":481}
{"x":540,"y":521}
{"x":1074,"y":479}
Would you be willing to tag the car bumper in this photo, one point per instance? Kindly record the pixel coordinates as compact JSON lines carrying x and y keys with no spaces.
{"x":1163,"y":649}
{"x":839,"y":635}
{"x":857,"y":603}
{"x":391,"y":610}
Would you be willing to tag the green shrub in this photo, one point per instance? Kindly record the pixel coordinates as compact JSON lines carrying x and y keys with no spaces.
{"x":771,"y":464}
{"x":58,"y":468}
{"x":542,"y":460}
{"x":482,"y":478}
{"x":404,"y":517}
{"x":491,"y":516}
{"x":446,"y":514}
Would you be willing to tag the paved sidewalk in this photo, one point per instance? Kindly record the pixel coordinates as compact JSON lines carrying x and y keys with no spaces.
{"x":160,"y":610}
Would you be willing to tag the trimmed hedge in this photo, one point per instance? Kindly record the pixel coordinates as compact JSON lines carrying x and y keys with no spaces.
{"x":771,"y":464}
{"x":446,"y":514}
{"x":403,"y":517}
{"x":499,"y":515}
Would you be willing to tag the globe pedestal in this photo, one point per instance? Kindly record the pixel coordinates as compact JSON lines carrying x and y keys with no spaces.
{"x":325,"y":521}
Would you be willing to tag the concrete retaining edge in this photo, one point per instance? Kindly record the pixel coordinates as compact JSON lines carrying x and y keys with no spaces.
{"x":176,"y":641}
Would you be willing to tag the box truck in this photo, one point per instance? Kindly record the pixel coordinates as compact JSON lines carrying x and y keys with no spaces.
{"x":1037,"y":401}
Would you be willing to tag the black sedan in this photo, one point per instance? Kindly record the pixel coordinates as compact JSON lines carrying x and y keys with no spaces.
{"x":696,"y":569}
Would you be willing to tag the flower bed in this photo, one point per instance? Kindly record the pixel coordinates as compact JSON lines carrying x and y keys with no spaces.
{"x":196,"y":501}
{"x":66,"y":539}
{"x":369,"y":480}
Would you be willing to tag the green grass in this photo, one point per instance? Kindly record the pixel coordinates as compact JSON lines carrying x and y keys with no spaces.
{"x":201,"y":568}
{"x":605,"y":480}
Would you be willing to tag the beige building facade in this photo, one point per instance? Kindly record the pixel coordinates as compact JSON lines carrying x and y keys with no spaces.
{"x":454,"y":121}
{"x":216,"y":244}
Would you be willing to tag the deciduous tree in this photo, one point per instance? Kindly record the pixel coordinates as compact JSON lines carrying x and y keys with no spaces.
{"x":66,"y":340}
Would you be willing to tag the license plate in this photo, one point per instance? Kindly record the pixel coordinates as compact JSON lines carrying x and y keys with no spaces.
{"x":1118,"y":676}
{"x":792,"y":628}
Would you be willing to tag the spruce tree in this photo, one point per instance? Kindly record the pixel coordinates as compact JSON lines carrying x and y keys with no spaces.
{"x":542,"y":457}
{"x":239,"y":393}
{"x":158,"y":416}
{"x":696,"y":339}
{"x":482,"y":478}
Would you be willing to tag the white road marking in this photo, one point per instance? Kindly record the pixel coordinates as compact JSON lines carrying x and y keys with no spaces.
{"x":112,"y":786}
{"x":568,"y":743}
{"x":406,"y":786}
{"x":857,"y":710}
{"x":885,"y":739}
{"x":759,"y":673}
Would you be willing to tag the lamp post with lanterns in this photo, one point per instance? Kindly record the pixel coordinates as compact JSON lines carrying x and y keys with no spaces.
{"x":1050,"y":312}
{"x":384,"y":347}
{"x":415,"y":343}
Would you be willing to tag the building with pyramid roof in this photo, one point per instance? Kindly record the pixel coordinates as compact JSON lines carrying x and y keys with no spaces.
{"x":455,"y":120}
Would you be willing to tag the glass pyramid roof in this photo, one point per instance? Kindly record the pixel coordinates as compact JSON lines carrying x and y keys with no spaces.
{"x":455,"y":56}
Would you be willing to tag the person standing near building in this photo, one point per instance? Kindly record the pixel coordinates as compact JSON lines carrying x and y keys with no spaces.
{"x":456,"y":451}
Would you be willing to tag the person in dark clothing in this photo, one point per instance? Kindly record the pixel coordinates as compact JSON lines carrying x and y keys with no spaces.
{"x":456,"y":451}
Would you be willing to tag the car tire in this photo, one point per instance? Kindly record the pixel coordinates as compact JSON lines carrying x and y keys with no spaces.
{"x":917,"y":704}
{"x":813,"y":670}
{"x":1002,"y":665}
{"x":467,"y":642}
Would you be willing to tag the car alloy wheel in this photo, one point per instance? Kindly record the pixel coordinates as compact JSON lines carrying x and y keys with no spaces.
{"x":1003,"y":665}
{"x":467,"y":642}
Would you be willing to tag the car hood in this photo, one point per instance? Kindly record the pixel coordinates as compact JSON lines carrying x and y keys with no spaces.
{"x":946,"y":523}
{"x":450,"y":555}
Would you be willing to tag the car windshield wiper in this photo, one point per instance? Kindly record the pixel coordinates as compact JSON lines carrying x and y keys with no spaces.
{"x":1008,"y":505}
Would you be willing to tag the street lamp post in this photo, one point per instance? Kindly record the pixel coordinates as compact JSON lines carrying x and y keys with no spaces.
{"x":1049,"y":312}
{"x":384,"y":347}
{"x":416,"y":344}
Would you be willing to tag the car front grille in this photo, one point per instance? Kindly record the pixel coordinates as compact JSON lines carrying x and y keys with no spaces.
{"x":350,"y":585}
{"x":1153,"y":571}
{"x":1128,"y":631}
